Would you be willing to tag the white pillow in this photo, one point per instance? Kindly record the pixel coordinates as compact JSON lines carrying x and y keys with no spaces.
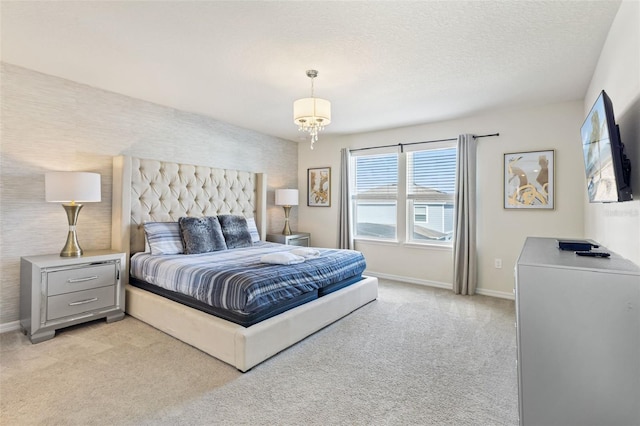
{"x":163,"y":237}
{"x":281,"y":258}
{"x":253,"y":229}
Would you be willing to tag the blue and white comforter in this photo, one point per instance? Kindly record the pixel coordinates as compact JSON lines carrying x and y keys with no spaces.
{"x":236,"y":279}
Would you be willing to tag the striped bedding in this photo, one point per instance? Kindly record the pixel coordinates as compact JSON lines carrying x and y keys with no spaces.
{"x":236,"y":280}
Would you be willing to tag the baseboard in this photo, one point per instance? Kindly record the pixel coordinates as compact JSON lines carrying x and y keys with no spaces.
{"x":409,"y":280}
{"x":9,"y":326}
{"x":438,"y":284}
{"x":496,"y":293}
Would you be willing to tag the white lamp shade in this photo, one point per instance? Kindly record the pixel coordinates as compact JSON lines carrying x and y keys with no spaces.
{"x":311,"y":111}
{"x":286,"y":197}
{"x":64,"y":187}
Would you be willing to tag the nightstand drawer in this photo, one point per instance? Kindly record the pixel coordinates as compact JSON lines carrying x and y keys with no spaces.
{"x":80,"y":301}
{"x":304,"y":241}
{"x":70,"y":280}
{"x":295,"y":239}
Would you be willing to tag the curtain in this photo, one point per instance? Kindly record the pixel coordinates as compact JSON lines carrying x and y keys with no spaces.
{"x":345,"y":238}
{"x":464,"y":244}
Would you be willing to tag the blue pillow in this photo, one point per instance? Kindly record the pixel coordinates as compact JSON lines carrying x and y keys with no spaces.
{"x":201,"y":235}
{"x":235,"y":231}
{"x":163,"y":237}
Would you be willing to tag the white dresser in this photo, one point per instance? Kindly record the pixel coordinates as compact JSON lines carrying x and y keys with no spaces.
{"x":578,"y":334}
{"x":57,"y":292}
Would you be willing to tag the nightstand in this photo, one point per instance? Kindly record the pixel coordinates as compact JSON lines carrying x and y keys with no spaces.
{"x":57,"y":292}
{"x":295,"y":239}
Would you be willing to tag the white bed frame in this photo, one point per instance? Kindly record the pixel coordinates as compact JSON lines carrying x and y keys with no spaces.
{"x":152,"y":190}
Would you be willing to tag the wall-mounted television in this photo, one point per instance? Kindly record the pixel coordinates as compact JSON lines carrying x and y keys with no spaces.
{"x":608,"y":168}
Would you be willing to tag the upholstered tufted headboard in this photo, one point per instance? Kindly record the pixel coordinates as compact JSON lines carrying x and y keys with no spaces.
{"x":152,"y":190}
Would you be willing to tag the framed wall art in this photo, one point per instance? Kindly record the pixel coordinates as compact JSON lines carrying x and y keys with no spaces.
{"x":529,"y":180}
{"x":319,"y":187}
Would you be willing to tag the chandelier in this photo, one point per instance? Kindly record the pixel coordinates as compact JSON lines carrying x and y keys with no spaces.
{"x":312,"y":114}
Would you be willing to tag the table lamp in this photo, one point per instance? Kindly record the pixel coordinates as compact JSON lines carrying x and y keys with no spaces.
{"x":70,"y":188}
{"x":286,"y":198}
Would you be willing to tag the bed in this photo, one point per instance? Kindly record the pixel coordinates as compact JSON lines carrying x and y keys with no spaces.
{"x":146,"y":190}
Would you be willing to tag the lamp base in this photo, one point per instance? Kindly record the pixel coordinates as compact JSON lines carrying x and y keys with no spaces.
{"x":72,"y":247}
{"x":287,"y":229}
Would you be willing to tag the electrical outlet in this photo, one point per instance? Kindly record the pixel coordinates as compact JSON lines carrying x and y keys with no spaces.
{"x":498,"y":263}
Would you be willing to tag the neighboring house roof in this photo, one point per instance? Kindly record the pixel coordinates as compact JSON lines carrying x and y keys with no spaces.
{"x":385,"y":192}
{"x":376,"y":230}
{"x":389,"y":231}
{"x":430,"y":234}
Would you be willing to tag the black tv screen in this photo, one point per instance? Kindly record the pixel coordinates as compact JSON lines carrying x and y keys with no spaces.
{"x":608,"y":169}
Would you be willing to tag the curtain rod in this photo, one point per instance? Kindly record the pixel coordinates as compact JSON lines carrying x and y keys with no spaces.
{"x":402,"y":145}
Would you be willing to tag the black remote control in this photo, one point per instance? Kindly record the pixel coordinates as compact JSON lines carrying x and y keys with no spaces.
{"x":593,"y":253}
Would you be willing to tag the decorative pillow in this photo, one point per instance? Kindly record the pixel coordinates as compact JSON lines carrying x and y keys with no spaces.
{"x":201,"y":235}
{"x":163,"y":237}
{"x":253,"y":230}
{"x":218,"y":236}
{"x":235,"y":231}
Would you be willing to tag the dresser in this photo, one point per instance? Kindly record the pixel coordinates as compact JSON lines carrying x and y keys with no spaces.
{"x":578,"y":336}
{"x":295,"y":239}
{"x":57,"y":292}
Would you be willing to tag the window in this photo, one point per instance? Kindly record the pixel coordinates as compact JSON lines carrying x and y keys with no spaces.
{"x":431,"y":181}
{"x":420,"y":214}
{"x":375,"y":196}
{"x":427,"y":189}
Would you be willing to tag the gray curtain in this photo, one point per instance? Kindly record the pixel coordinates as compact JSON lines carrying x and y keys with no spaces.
{"x":464,"y":245}
{"x":345,"y":238}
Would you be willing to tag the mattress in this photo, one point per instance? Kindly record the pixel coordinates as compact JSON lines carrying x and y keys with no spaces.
{"x":236,"y":281}
{"x":245,"y":320}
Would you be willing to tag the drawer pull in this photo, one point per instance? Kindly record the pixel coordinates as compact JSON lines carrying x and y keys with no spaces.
{"x":82,"y":302}
{"x":81,"y":280}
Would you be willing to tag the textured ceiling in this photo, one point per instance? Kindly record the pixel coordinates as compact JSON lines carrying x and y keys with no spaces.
{"x":382,"y":64}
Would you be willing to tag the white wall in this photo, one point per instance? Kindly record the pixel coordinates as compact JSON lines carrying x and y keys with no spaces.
{"x":617,"y":225}
{"x":501,"y":232}
{"x":53,"y":124}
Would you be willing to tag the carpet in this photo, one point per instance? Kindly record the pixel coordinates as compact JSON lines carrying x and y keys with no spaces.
{"x":415,"y":356}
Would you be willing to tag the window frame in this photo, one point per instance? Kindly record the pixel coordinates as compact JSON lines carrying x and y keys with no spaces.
{"x":413,"y":208}
{"x":405,"y":212}
{"x":411,"y":199}
{"x":381,"y":198}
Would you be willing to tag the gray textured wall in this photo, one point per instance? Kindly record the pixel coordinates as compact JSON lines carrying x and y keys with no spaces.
{"x":50,"y":124}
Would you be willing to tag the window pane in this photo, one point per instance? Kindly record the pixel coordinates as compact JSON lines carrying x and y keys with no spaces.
{"x":375,"y":198}
{"x":376,"y":176}
{"x":375,"y":219}
{"x":438,"y":223}
{"x":430,"y":194}
{"x":431,"y":172}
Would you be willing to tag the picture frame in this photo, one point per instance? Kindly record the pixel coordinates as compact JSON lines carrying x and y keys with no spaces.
{"x":319,"y":187}
{"x":529,"y":180}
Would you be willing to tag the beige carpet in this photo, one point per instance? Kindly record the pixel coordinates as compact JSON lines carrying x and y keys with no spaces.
{"x":417,"y":355}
